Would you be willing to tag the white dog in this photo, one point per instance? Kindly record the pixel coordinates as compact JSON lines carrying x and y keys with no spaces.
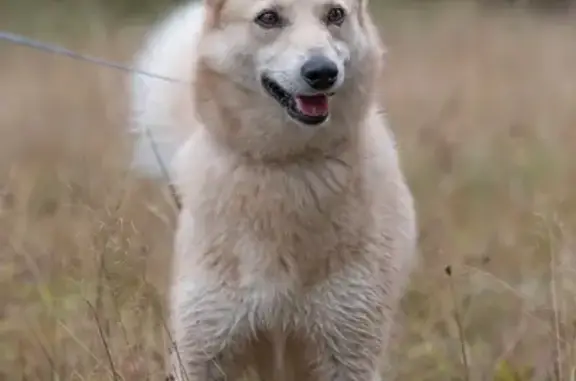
{"x":297,"y":232}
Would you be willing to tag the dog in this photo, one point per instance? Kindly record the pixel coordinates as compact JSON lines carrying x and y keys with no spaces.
{"x":297,"y":232}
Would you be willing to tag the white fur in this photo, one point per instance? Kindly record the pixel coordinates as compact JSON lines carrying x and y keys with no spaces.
{"x":303,"y":237}
{"x":154,"y":100}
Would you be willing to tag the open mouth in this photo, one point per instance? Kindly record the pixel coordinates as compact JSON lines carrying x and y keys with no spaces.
{"x":306,"y":109}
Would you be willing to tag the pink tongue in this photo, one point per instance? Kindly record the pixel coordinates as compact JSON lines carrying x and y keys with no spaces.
{"x":312,"y":105}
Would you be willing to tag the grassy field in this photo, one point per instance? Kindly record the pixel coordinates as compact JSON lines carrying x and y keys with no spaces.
{"x":483,"y":105}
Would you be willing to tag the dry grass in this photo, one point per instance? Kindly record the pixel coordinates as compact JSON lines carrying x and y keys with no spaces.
{"x":483,"y":107}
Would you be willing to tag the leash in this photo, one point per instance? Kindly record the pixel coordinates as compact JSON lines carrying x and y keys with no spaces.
{"x":20,"y":40}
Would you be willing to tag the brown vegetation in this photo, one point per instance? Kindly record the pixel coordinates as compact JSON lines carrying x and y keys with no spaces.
{"x":483,"y":108}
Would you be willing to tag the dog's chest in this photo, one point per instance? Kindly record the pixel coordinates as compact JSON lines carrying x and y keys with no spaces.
{"x":269,"y":255}
{"x":268,"y":226}
{"x":281,"y":259}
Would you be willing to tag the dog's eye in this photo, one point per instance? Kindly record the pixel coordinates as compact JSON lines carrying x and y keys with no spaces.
{"x":269,"y":19}
{"x":335,"y":16}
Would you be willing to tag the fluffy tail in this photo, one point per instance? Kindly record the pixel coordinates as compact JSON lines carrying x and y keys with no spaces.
{"x":159,"y":107}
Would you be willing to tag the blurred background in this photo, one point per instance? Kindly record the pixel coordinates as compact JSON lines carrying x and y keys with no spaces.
{"x":481,"y":96}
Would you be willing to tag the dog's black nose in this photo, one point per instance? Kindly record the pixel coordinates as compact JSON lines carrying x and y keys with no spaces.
{"x":320,"y":73}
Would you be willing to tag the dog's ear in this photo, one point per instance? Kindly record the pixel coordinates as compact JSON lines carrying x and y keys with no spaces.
{"x":213,"y":11}
{"x":214,"y":3}
{"x":363,"y":10}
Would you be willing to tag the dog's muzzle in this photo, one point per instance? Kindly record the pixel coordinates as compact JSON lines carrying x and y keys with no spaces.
{"x":312,"y":108}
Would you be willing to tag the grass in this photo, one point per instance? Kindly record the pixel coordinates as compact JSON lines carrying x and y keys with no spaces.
{"x":483,"y":108}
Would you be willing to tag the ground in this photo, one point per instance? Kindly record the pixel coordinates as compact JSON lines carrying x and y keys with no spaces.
{"x":482,"y":104}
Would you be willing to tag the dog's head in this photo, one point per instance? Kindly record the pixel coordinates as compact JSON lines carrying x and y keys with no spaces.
{"x":302,"y":61}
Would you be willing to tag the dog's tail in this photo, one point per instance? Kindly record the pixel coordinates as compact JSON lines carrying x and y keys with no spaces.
{"x":158,"y":106}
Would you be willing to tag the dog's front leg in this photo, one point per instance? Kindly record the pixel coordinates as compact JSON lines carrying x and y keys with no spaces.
{"x":350,"y":353}
{"x":348,"y":356}
{"x":352,"y":335}
{"x":207,"y":325}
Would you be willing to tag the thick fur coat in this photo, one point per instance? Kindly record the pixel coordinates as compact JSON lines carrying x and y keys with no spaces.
{"x":297,"y":232}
